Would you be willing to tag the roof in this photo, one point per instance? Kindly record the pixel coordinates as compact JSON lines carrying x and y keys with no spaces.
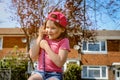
{"x":11,"y":31}
{"x":108,"y":32}
{"x":20,"y":31}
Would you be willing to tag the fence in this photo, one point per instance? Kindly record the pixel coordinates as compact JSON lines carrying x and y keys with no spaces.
{"x":5,"y":74}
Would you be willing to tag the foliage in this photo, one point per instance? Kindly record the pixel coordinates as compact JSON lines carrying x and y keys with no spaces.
{"x":81,"y":24}
{"x":73,"y":72}
{"x":101,"y":9}
{"x":32,"y":14}
{"x":12,"y":63}
{"x":17,"y":62}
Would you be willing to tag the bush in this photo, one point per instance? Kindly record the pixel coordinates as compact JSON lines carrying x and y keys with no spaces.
{"x":18,"y":67}
{"x":73,"y":72}
{"x":17,"y":62}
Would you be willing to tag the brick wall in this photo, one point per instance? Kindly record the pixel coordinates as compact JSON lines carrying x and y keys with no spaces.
{"x":113,"y":45}
{"x":10,"y":42}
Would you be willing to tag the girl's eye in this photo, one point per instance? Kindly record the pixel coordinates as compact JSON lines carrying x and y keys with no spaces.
{"x":47,"y":27}
{"x":50,"y":28}
{"x":53,"y":28}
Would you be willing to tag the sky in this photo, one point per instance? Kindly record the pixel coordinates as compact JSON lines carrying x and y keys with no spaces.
{"x":107,"y":14}
{"x":5,"y":20}
{"x":103,"y":22}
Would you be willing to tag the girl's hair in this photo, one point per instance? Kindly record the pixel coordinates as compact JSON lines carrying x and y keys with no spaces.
{"x":64,"y":34}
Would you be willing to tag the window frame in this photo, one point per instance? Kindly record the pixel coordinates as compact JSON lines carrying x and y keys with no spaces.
{"x":1,"y":43}
{"x":96,"y":42}
{"x":98,"y":68}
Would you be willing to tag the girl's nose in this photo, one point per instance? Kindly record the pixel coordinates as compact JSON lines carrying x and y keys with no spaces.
{"x":48,"y":30}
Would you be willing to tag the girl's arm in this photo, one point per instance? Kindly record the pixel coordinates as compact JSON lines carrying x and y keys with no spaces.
{"x":34,"y":51}
{"x":59,"y":59}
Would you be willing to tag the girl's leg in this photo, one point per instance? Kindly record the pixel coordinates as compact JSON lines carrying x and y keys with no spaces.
{"x":53,"y":78}
{"x":35,"y":77}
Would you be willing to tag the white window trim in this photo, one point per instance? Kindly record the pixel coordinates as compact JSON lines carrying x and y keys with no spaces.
{"x":1,"y":47}
{"x":94,"y":69}
{"x":69,"y":61}
{"x":94,"y":52}
{"x":116,"y":74}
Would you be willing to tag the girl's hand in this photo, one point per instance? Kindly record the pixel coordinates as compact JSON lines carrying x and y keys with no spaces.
{"x":44,"y":44}
{"x":42,"y":32}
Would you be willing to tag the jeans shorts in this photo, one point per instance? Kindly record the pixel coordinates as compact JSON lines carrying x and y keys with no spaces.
{"x":46,"y":75}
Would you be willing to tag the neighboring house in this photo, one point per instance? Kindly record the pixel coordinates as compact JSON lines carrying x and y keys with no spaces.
{"x":11,"y":38}
{"x":101,"y":60}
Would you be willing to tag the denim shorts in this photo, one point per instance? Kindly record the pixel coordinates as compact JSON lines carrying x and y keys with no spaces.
{"x":46,"y":75}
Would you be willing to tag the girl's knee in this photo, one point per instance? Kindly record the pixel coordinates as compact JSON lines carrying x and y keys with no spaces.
{"x":53,"y":78}
{"x":35,"y":77}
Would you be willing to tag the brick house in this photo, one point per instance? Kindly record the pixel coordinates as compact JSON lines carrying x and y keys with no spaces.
{"x":101,"y":60}
{"x":9,"y":38}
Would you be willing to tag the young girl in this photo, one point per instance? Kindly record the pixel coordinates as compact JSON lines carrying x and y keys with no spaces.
{"x":51,"y":47}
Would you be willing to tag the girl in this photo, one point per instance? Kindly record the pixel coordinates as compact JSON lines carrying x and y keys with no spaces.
{"x":51,"y":47}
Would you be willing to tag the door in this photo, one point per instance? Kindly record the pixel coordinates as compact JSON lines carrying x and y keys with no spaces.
{"x":117,"y":74}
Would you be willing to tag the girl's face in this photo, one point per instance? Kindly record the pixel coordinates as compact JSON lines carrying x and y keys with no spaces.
{"x":53,"y":31}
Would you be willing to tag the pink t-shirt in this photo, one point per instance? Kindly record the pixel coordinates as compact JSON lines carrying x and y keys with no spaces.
{"x":55,"y":46}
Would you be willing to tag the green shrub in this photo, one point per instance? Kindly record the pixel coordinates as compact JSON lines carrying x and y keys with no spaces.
{"x":73,"y":72}
{"x":17,"y":62}
{"x":18,"y":67}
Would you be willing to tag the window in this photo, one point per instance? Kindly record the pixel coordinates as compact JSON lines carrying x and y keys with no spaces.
{"x":1,"y":43}
{"x":98,"y":46}
{"x":95,"y":72}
